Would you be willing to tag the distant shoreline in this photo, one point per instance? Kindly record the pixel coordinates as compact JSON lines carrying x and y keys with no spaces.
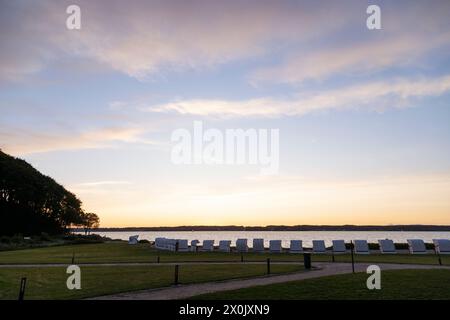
{"x":280,"y":228}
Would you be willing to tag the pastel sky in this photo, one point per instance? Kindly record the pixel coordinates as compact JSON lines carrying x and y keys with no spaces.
{"x":363,"y":115}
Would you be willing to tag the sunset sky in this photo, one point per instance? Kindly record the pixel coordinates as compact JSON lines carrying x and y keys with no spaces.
{"x":363,"y":115}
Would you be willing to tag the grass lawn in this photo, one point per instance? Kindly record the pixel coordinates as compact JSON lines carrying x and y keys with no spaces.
{"x":395,"y":284}
{"x":122,"y":252}
{"x":50,"y":282}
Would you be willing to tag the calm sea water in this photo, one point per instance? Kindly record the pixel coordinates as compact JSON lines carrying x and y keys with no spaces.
{"x":284,"y":236}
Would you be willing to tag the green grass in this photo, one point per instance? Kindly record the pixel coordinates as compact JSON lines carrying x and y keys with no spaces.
{"x":50,"y":282}
{"x":398,"y":284}
{"x":122,"y":252}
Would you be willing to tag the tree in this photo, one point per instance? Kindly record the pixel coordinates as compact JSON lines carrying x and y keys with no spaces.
{"x":32,"y":203}
{"x":90,"y":221}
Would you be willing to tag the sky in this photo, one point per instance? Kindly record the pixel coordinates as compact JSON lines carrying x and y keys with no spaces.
{"x":363,"y":115}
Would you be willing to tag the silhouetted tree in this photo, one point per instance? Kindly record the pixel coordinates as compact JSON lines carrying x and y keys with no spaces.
{"x":90,"y":221}
{"x":31,"y":203}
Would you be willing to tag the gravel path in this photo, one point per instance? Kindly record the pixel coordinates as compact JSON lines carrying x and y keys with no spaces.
{"x":187,"y":291}
{"x":136,"y":264}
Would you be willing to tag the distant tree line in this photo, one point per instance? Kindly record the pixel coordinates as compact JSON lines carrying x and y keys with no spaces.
{"x":413,"y":227}
{"x":32,"y":203}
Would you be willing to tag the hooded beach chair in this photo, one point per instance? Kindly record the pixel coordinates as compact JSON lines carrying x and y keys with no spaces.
{"x":208,"y":245}
{"x":183,"y":245}
{"x":224,"y":245}
{"x":194,"y":245}
{"x":171,"y":244}
{"x":241,"y":245}
{"x":258,"y":245}
{"x":339,"y":247}
{"x":160,"y":243}
{"x":133,"y":239}
{"x":416,"y":246}
{"x":275,"y":246}
{"x":361,"y":247}
{"x":442,"y":246}
{"x":296,"y":246}
{"x":319,"y":246}
{"x":387,"y":246}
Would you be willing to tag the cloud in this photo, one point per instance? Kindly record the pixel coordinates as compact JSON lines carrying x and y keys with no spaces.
{"x":141,"y":38}
{"x":359,"y":58}
{"x":21,"y":142}
{"x":102,"y":183}
{"x":144,"y":38}
{"x":376,"y":95}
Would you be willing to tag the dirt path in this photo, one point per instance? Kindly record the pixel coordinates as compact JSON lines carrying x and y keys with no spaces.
{"x":187,"y":291}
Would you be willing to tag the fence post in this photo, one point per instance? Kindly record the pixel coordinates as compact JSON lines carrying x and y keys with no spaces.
{"x":353,"y":258}
{"x":23,"y":283}
{"x":242,"y":257}
{"x":307,"y":260}
{"x":176,"y":275}
{"x":268,"y":265}
{"x":439,"y":256}
{"x":73,"y":258}
{"x":157,"y":259}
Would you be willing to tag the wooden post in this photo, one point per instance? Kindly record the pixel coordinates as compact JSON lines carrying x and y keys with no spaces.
{"x":439,"y":256}
{"x":307,"y":260}
{"x":268,"y":265}
{"x":157,"y":259}
{"x":353,"y":258}
{"x":73,"y":258}
{"x":176,"y":275}
{"x":23,"y":283}
{"x":332,"y":256}
{"x":242,"y":257}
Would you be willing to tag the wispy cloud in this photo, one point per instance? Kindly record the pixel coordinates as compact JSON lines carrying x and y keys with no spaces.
{"x":374,"y":95}
{"x":141,"y":38}
{"x":21,"y":142}
{"x":364,"y":57}
{"x":102,"y":183}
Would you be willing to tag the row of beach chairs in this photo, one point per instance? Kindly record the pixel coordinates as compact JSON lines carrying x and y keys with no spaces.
{"x":387,"y":246}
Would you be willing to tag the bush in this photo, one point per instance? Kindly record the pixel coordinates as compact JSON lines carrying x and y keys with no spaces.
{"x":4,"y":239}
{"x":17,"y":239}
{"x":83,"y":239}
{"x":45,"y":237}
{"x":144,"y":241}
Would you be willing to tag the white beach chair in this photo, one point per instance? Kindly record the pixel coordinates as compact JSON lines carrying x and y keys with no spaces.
{"x":296,"y":246}
{"x":339,"y":247}
{"x":442,"y":246}
{"x":171,"y":244}
{"x":224,"y":245}
{"x":208,"y":245}
{"x":194,"y":245}
{"x":319,"y":246}
{"x":258,"y":245}
{"x":275,"y":246}
{"x":361,"y":247}
{"x":241,"y":245}
{"x":160,"y":243}
{"x":387,"y":246}
{"x":416,"y":246}
{"x":133,"y":239}
{"x":183,"y":245}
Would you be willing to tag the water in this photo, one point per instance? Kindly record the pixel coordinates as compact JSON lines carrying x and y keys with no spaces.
{"x":284,"y":236}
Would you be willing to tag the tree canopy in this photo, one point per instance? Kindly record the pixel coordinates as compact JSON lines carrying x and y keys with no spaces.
{"x":32,"y":203}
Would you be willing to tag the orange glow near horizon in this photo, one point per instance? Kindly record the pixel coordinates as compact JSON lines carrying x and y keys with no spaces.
{"x":277,"y":201}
